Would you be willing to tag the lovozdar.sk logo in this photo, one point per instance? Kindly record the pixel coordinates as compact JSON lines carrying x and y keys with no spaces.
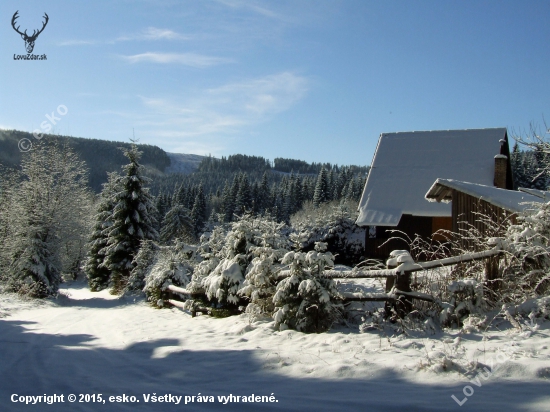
{"x":29,"y":40}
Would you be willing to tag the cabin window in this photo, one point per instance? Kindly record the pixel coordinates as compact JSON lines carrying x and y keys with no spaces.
{"x":372,"y":232}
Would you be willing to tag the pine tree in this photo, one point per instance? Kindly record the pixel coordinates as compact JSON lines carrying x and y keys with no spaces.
{"x":227,"y":202}
{"x":516,"y":160}
{"x":177,"y":224}
{"x":255,"y":198}
{"x":179,"y":196}
{"x":230,"y":200}
{"x":47,"y":209}
{"x":243,"y":200}
{"x":321,"y":194}
{"x":307,"y":300}
{"x":133,"y":221}
{"x":198,"y":213}
{"x":332,"y":179}
{"x":529,"y":169}
{"x":9,"y":181}
{"x":541,"y":173}
{"x":263,"y":197}
{"x":297,"y":195}
{"x":97,"y":274}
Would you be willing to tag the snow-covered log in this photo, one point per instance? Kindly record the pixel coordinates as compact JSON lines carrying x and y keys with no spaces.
{"x":365,"y":297}
{"x":179,"y":290}
{"x":177,"y":303}
{"x":360,"y":274}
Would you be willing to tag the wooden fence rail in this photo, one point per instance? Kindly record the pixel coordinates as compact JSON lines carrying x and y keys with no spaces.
{"x":398,"y":295}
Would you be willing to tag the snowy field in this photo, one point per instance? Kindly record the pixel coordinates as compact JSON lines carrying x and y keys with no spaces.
{"x":84,"y":343}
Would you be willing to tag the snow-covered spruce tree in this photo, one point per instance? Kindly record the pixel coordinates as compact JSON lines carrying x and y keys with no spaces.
{"x":243,"y":201}
{"x":169,"y":267}
{"x":132,"y":222}
{"x":322,"y":189}
{"x":177,"y":224}
{"x":261,"y":274}
{"x":96,"y":272}
{"x":9,"y":181}
{"x":223,"y":283}
{"x":307,"y":300}
{"x":46,"y":209}
{"x":198,"y":212}
{"x":143,"y":261}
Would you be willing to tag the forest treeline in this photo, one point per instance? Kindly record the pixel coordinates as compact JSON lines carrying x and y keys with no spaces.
{"x":101,"y":156}
{"x":529,"y":168}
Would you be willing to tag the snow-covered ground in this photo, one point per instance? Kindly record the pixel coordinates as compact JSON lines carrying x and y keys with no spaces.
{"x":94,"y":343}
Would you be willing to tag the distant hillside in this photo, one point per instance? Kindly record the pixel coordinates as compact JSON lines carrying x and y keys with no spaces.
{"x":171,"y":170}
{"x":101,"y":156}
{"x":183,"y":163}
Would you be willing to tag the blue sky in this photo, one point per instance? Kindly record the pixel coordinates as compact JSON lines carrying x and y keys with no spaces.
{"x":312,"y":80}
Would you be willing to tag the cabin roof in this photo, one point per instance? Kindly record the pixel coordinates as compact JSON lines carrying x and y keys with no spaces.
{"x":406,"y":164}
{"x":511,"y":200}
{"x":543,"y":194}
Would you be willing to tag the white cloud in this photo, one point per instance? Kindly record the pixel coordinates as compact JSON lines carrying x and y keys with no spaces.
{"x":209,"y":121}
{"x":206,"y":121}
{"x":251,"y":5}
{"x":187,"y":59}
{"x":150,"y":33}
{"x":77,"y":43}
{"x":153,"y":33}
{"x":264,"y":96}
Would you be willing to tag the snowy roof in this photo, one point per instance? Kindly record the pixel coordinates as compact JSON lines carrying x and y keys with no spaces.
{"x":406,"y":164}
{"x":511,"y":200}
{"x":543,"y":194}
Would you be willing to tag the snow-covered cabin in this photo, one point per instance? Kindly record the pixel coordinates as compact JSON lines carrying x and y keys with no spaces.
{"x":406,"y":164}
{"x":470,"y":200}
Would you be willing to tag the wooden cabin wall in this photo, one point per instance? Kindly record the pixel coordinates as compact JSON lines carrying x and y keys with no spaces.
{"x":409,"y":226}
{"x":470,"y":212}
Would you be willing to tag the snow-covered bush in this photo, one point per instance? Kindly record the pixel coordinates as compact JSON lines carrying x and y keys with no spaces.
{"x":259,"y":284}
{"x":224,"y":282}
{"x":528,"y":243}
{"x":307,"y":300}
{"x":168,"y":268}
{"x":201,"y":272}
{"x":252,"y":246}
{"x":332,"y":223}
{"x":466,"y":299}
{"x":262,"y":272}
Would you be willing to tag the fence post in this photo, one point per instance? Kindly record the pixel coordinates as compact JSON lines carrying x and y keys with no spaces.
{"x":390,"y":281}
{"x":403,"y":306}
{"x":491,"y":273}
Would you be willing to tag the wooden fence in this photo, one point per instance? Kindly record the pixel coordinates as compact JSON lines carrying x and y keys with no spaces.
{"x":398,"y":294}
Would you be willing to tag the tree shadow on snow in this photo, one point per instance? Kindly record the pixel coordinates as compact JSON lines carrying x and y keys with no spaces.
{"x":37,"y":363}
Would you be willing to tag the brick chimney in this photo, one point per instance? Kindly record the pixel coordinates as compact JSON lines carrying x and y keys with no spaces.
{"x":501,"y":163}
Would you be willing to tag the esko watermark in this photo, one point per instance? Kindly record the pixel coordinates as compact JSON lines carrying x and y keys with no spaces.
{"x":46,"y":126}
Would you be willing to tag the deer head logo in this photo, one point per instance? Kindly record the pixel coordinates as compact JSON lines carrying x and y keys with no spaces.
{"x":29,"y":40}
